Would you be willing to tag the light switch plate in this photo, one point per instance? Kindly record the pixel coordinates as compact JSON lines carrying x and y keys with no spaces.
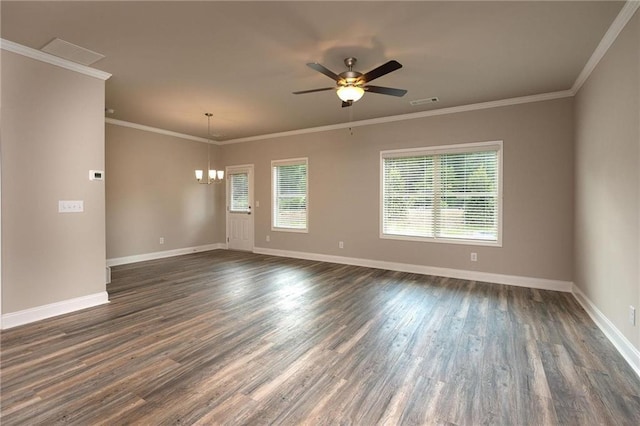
{"x":70,"y":206}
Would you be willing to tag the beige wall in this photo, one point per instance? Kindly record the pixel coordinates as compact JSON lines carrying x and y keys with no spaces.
{"x":52,"y":135}
{"x":152,"y":193}
{"x":344,"y":189}
{"x":608,"y":182}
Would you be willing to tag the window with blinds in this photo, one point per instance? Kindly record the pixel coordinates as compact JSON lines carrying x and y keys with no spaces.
{"x":449,"y":194}
{"x":290,"y":195}
{"x":239,"y":192}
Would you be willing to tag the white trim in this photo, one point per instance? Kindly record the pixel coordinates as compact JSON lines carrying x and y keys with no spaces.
{"x":411,"y":116}
{"x":274,"y":204}
{"x":614,"y":30}
{"x":39,"y":55}
{"x":157,"y":130}
{"x":621,"y":343}
{"x":0,"y":239}
{"x":609,"y":37}
{"x":248,"y":216}
{"x":38,"y":313}
{"x":443,"y":111}
{"x":294,"y":230}
{"x":453,"y":148}
{"x":162,"y":254}
{"x":514,"y":280}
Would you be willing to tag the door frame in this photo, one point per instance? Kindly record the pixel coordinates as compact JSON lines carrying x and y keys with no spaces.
{"x":228,"y":171}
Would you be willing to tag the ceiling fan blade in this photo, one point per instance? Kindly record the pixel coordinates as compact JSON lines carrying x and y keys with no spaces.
{"x":324,"y":70}
{"x":314,"y":90}
{"x":346,"y":104}
{"x":381,"y":70}
{"x":385,"y":90}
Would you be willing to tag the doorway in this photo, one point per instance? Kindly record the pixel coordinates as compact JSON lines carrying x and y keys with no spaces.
{"x":239,"y":207}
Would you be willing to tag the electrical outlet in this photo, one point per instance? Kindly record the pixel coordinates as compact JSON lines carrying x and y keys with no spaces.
{"x":161,"y":240}
{"x":632,"y":315}
{"x":257,"y":203}
{"x":474,"y":257}
{"x":268,"y":238}
{"x":341,"y":244}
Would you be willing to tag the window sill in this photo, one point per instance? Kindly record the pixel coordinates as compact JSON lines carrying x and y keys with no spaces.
{"x":484,"y":243}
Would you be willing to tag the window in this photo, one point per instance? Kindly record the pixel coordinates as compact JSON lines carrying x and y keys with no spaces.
{"x":239,"y":192}
{"x":449,"y":193}
{"x":290,"y":195}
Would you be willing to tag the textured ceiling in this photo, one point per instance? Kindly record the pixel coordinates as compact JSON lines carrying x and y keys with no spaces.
{"x":173,"y":61}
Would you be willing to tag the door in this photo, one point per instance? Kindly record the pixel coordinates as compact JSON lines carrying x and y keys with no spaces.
{"x":239,"y":207}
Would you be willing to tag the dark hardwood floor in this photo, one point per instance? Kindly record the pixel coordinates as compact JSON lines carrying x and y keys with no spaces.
{"x":235,"y":338}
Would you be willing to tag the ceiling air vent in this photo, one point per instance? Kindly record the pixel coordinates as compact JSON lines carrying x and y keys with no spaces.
{"x":64,"y":49}
{"x":424,"y":101}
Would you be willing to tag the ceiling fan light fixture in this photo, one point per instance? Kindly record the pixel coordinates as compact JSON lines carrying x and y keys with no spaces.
{"x":350,"y":93}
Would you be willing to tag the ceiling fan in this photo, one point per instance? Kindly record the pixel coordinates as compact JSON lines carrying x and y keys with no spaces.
{"x":351,"y":85}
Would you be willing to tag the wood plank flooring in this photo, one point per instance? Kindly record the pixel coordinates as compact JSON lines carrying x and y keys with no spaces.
{"x":241,"y":339}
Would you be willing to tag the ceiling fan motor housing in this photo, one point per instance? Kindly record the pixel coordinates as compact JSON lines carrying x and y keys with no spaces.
{"x":350,"y":77}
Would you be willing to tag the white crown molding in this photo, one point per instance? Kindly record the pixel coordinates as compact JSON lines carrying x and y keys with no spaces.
{"x":627,"y":11}
{"x":157,"y":130}
{"x":514,"y":280}
{"x":38,"y":313}
{"x":163,"y":254}
{"x":412,"y":116}
{"x":39,"y":55}
{"x":621,"y":343}
{"x":612,"y":33}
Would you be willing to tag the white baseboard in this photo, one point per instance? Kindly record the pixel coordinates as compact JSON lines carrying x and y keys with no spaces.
{"x":38,"y":313}
{"x":539,"y":283}
{"x":162,"y":254}
{"x":622,"y":344}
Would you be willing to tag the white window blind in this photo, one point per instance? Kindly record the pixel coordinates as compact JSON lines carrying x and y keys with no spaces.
{"x":239,"y":184}
{"x":290,"y":192}
{"x":443,"y":193}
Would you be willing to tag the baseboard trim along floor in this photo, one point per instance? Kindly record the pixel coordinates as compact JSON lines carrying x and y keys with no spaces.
{"x":621,"y":343}
{"x":26,"y":316}
{"x":233,"y":337}
{"x":163,"y":254}
{"x":518,"y":281}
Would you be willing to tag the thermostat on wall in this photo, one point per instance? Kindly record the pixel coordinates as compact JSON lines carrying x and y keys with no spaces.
{"x":96,"y":175}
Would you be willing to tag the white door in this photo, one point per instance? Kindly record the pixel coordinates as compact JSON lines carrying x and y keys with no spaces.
{"x":239,"y":207}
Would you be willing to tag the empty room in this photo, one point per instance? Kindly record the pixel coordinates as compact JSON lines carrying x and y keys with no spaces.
{"x":320,"y":212}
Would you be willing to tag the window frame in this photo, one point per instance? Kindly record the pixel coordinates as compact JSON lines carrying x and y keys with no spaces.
{"x":288,"y":162}
{"x":464,"y":148}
